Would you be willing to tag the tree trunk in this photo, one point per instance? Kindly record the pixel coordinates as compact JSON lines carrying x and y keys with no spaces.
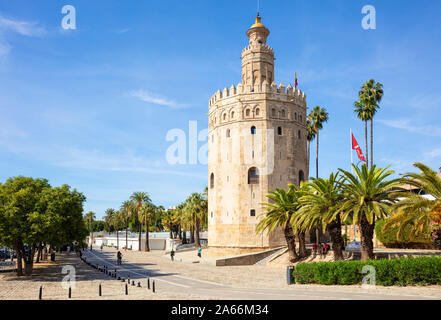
{"x":303,"y":253}
{"x":367,"y":245}
{"x":147,"y":245}
{"x":19,"y":258}
{"x":117,"y":239}
{"x":317,"y":236}
{"x":127,"y":242}
{"x":316,"y":156}
{"x":307,"y":159}
{"x":291,"y":242}
{"x":179,"y":232}
{"x":334,"y":229}
{"x":171,"y":233}
{"x":39,"y":253}
{"x":197,"y":240}
{"x":139,"y":236}
{"x":372,"y":142}
{"x":192,"y":234}
{"x":184,"y":236}
{"x":366,"y":142}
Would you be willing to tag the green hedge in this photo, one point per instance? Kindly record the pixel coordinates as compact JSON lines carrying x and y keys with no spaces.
{"x":395,"y":272}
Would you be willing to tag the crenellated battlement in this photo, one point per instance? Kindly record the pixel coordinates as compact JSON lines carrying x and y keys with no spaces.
{"x":285,"y":93}
{"x":258,"y":47}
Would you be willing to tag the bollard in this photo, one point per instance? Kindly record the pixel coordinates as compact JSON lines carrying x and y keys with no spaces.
{"x":40,"y":295}
{"x":99,"y":292}
{"x":148,"y":283}
{"x":128,"y":280}
{"x":70,"y":292}
{"x":127,"y":290}
{"x":139,"y":284}
{"x":133,"y":282}
{"x":153,"y":286}
{"x":119,"y":278}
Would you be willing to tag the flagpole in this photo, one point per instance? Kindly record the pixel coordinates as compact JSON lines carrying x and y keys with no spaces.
{"x":352,"y":170}
{"x":352,"y":160}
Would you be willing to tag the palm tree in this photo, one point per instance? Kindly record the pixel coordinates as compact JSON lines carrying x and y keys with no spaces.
{"x":146,"y":214}
{"x":108,"y":219}
{"x":197,"y":208}
{"x":117,"y":222}
{"x":90,"y":218}
{"x":319,"y":210}
{"x":310,"y":136}
{"x":139,"y":198}
{"x":370,"y":95}
{"x":367,"y":196}
{"x":127,"y":210}
{"x":318,"y":117}
{"x":414,"y":209}
{"x":168,"y":221}
{"x":278,"y":213}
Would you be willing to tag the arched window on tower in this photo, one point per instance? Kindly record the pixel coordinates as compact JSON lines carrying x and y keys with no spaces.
{"x":257,"y":112}
{"x":253,"y":176}
{"x":253,"y":130}
{"x":247,"y":112}
{"x":299,"y":134}
{"x":283,"y":113}
{"x":273,"y":113}
{"x":228,"y":133}
{"x":279,"y":131}
{"x":212,"y":181}
{"x":232,"y":114}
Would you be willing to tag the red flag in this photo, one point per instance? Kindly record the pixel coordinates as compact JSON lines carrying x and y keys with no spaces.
{"x":357,"y":148}
{"x":297,"y":83}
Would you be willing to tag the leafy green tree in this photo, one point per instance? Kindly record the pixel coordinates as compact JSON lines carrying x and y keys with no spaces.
{"x":33,"y":213}
{"x":415,"y":210}
{"x":368,"y":196}
{"x":98,"y":226}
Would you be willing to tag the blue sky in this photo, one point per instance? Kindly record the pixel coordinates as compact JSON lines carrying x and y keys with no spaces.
{"x":91,"y":107}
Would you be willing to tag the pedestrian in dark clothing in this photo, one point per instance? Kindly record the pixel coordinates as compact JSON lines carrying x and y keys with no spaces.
{"x":119,"y":258}
{"x":172,"y":255}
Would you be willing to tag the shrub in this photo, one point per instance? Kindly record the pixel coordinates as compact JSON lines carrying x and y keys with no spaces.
{"x":397,"y":272}
{"x":388,"y":237}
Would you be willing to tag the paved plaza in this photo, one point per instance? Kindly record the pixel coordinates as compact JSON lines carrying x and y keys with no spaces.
{"x":178,"y":280}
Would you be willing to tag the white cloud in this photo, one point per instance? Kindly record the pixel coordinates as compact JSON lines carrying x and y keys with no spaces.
{"x":146,"y":96}
{"x":25,"y":28}
{"x":5,"y":48}
{"x":121,"y":31}
{"x":405,"y":124}
{"x":435,"y":153}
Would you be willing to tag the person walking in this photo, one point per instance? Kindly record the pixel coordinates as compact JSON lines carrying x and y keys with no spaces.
{"x":119,"y":258}
{"x":101,"y":247}
{"x":200,"y":252}
{"x":172,"y":255}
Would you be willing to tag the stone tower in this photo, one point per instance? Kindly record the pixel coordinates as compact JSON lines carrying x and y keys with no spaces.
{"x":256,"y":143}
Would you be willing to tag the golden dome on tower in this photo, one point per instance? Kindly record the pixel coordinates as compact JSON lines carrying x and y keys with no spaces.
{"x":258,"y":23}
